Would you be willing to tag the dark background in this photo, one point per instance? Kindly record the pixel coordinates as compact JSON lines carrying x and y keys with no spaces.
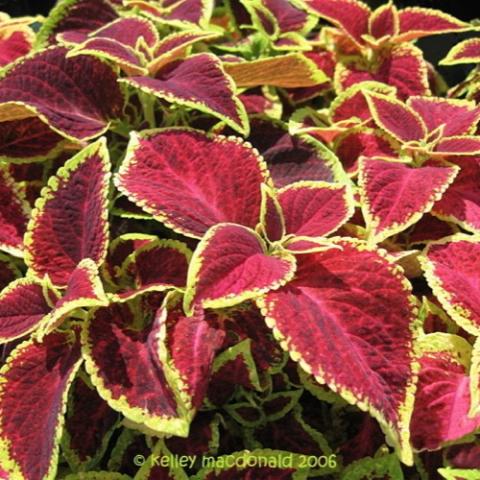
{"x":460,"y":8}
{"x":435,"y":47}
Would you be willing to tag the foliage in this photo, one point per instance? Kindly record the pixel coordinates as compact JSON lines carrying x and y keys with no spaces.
{"x":239,"y":239}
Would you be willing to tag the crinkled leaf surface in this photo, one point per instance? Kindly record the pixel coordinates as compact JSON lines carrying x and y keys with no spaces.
{"x":188,"y":13}
{"x":348,"y":318}
{"x":191,"y":181}
{"x":39,"y":374}
{"x":62,"y":92}
{"x":230,"y":265}
{"x":350,"y":15}
{"x":69,"y":222}
{"x":396,"y":118}
{"x":84,"y":289}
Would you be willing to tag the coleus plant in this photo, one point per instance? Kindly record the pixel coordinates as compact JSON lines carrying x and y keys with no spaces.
{"x":232,"y":232}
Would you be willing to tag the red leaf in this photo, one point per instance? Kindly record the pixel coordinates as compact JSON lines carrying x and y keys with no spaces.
{"x":198,"y":82}
{"x":459,"y":117}
{"x":395,"y":196}
{"x":128,"y":31}
{"x":89,"y":424}
{"x":396,"y":118}
{"x":185,"y":14}
{"x":13,"y":44}
{"x":417,"y":22}
{"x":315,"y":209}
{"x":22,"y":307}
{"x":443,"y":399}
{"x":461,"y":202}
{"x":339,"y":317}
{"x":62,"y":92}
{"x":362,"y":142}
{"x":156,"y":266}
{"x":191,"y":181}
{"x":78,"y":16}
{"x":39,"y":374}
{"x":28,"y":140}
{"x":452,"y":269}
{"x":14,"y":212}
{"x":123,"y":352}
{"x":350,"y":15}
{"x":292,"y":158}
{"x":384,"y":21}
{"x":467,"y":51}
{"x":231,"y":265}
{"x":464,"y":145}
{"x":69,"y":222}
{"x":192,"y":343}
{"x":402,"y":67}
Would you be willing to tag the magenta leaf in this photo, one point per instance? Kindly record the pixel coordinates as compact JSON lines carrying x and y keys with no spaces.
{"x":165,"y":173}
{"x":157,"y":266}
{"x":89,"y":424}
{"x":201,"y":83}
{"x":442,"y":403}
{"x":467,"y":51}
{"x":350,"y":15}
{"x":403,"y":67}
{"x":417,"y":22}
{"x":84,"y":289}
{"x":14,"y":213}
{"x":22,"y":307}
{"x":395,"y":196}
{"x":458,"y":117}
{"x":461,"y":202}
{"x":451,"y":268}
{"x":337,"y":319}
{"x":230,"y":265}
{"x":315,"y":209}
{"x":39,"y":374}
{"x":396,"y":118}
{"x":293,"y":158}
{"x":77,"y":16}
{"x":71,"y":102}
{"x":28,"y":140}
{"x":69,"y":222}
{"x":122,"y":348}
{"x":184,"y":14}
{"x":192,"y":344}
{"x":462,"y":145}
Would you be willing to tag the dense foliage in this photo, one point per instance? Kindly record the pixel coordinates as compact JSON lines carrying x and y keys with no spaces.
{"x":240,"y":240}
